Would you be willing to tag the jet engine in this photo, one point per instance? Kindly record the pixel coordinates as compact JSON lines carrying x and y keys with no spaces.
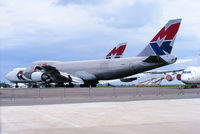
{"x":128,"y":79}
{"x":178,"y":76}
{"x":170,"y":77}
{"x":40,"y":76}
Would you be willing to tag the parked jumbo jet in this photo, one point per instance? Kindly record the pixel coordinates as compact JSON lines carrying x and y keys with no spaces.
{"x":156,"y":54}
{"x":17,"y":74}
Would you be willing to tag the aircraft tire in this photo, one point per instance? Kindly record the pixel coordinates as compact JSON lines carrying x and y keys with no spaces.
{"x":70,"y":85}
{"x":16,"y":86}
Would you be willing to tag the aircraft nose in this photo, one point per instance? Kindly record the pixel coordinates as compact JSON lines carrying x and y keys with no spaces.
{"x":184,"y":78}
{"x":8,"y":76}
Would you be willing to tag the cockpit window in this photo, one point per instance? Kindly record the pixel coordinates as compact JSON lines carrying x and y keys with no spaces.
{"x":186,"y":72}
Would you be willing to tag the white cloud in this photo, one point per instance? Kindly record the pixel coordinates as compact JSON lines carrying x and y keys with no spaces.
{"x":107,"y":21}
{"x":25,"y":21}
{"x":188,"y":10}
{"x":41,"y":20}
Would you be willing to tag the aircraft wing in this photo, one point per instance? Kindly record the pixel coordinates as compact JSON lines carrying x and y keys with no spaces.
{"x":165,"y":72}
{"x":73,"y":78}
{"x":53,"y":75}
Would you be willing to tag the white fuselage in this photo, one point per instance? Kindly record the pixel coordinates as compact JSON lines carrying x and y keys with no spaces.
{"x":96,"y":69}
{"x":191,"y":75}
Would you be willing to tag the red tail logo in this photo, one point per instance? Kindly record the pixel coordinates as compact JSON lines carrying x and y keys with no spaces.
{"x":168,"y":33}
{"x":117,"y":51}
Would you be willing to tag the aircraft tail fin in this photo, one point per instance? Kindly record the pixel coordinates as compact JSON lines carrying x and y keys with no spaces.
{"x":117,"y":51}
{"x":162,"y":43}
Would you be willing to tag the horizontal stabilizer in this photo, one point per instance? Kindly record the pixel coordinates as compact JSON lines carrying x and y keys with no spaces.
{"x":154,"y":59}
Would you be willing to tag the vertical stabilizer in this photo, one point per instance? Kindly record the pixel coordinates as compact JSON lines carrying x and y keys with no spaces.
{"x":162,"y":43}
{"x":117,"y":51}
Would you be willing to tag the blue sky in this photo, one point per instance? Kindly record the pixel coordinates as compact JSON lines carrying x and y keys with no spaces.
{"x":70,"y":30}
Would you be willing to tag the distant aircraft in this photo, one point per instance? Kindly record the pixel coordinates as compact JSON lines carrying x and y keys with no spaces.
{"x":156,"y":54}
{"x":189,"y":76}
{"x":17,"y":74}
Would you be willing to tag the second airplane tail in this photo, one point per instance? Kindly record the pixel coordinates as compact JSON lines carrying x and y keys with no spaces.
{"x":162,"y":43}
{"x":117,"y":51}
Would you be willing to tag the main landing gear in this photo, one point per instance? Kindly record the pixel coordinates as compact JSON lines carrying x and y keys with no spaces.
{"x":61,"y":84}
{"x":70,"y":85}
{"x":190,"y":86}
{"x":89,"y":84}
{"x":16,"y":85}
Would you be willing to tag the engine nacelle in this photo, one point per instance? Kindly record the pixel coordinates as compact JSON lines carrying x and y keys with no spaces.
{"x":178,"y":76}
{"x":40,"y":76}
{"x":128,"y":79}
{"x":170,"y":77}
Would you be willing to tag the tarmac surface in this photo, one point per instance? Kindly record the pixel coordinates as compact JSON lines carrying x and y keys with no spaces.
{"x":145,"y":110}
